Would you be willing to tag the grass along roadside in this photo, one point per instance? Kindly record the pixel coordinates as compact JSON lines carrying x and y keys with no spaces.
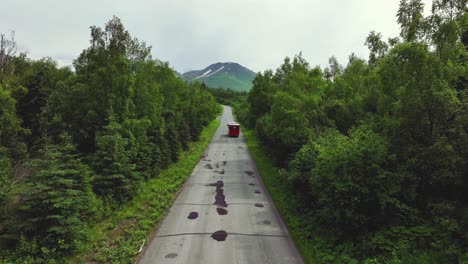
{"x":119,"y":238}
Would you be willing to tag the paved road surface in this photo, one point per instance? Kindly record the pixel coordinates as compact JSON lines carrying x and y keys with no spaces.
{"x":223,"y":213}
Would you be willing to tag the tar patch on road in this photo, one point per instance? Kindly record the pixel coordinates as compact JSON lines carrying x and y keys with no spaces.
{"x":224,"y":163}
{"x":259,"y":205}
{"x":220,"y":199}
{"x":222,"y":172}
{"x":208,"y":166}
{"x":218,"y":184}
{"x":250,"y":173}
{"x":219,"y":235}
{"x":222,"y":211}
{"x":266,"y":222}
{"x":192,"y":215}
{"x":171,"y":255}
{"x":257,"y":191}
{"x":251,"y":184}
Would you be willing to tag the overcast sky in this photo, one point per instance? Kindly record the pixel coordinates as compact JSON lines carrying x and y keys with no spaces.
{"x":191,"y":34}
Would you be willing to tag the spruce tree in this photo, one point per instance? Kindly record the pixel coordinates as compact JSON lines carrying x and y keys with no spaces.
{"x":184,"y":133}
{"x":139,"y":146}
{"x":57,"y":202}
{"x":115,"y":175}
{"x":160,"y":153}
{"x":173,"y":143}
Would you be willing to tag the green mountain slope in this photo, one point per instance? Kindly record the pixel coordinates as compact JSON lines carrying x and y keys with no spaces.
{"x":225,"y":75}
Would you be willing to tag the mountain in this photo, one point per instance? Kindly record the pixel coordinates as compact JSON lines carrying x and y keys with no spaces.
{"x":223,"y":74}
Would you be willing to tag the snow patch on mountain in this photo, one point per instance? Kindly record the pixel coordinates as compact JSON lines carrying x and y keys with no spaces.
{"x":204,"y":74}
{"x":216,"y":71}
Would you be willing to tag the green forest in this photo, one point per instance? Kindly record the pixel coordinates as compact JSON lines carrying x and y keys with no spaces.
{"x":374,"y":154}
{"x":76,"y":145}
{"x":371,"y":157}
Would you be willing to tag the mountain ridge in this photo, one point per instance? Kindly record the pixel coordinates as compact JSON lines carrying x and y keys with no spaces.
{"x":228,"y":75}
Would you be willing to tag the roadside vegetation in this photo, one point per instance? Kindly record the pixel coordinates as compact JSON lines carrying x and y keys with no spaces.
{"x":79,"y":148}
{"x":119,"y":238}
{"x":372,"y":156}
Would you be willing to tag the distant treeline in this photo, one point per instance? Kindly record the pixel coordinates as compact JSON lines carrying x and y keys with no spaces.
{"x":375,"y":154}
{"x":227,"y":96}
{"x":75,"y":145}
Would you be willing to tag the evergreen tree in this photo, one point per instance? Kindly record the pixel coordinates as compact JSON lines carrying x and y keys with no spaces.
{"x":173,"y":143}
{"x":58,"y":202}
{"x":162,"y":153}
{"x":115,"y":175}
{"x":184,"y":133}
{"x":140,"y":148}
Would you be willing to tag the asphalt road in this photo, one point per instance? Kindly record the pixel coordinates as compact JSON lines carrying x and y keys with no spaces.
{"x":223,"y":213}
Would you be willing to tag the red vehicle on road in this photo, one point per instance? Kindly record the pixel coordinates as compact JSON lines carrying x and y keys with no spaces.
{"x":234,"y":129}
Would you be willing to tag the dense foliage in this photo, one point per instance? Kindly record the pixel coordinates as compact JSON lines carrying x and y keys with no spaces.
{"x":75,"y":145}
{"x":227,"y":96}
{"x":376,"y":153}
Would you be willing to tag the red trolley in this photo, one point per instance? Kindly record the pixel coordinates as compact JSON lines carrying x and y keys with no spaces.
{"x":234,"y":129}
